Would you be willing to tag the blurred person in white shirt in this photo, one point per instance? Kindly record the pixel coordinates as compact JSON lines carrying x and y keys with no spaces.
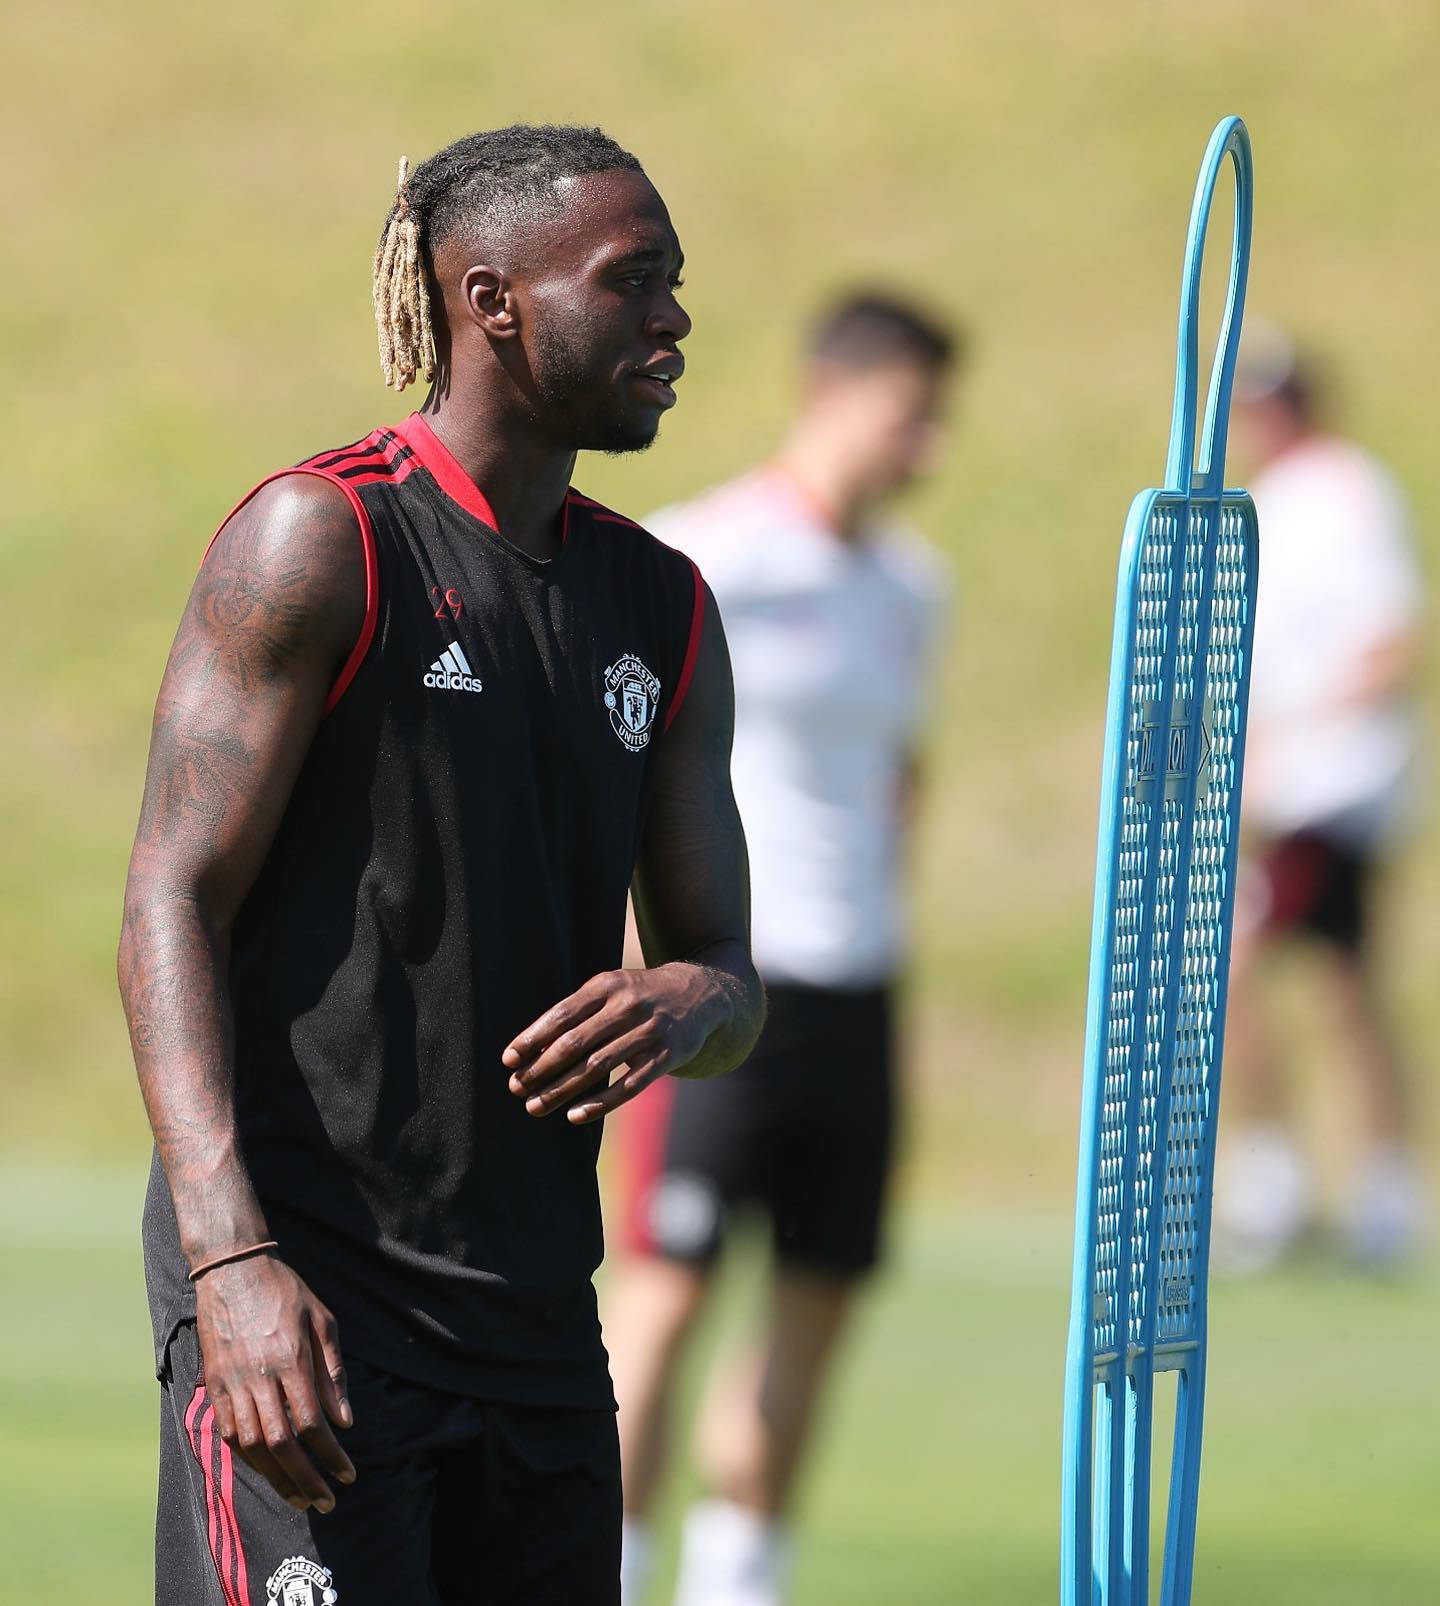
{"x":1330,"y":786}
{"x":833,"y":613}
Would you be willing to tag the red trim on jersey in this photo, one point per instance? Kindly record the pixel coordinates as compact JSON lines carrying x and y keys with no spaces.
{"x":381,"y":455}
{"x":643,"y":1131}
{"x":448,"y":475}
{"x":364,"y":447}
{"x":222,"y":1526}
{"x":604,"y":515}
{"x":598,"y":510}
{"x":692,"y":649}
{"x":391,"y":474}
{"x":351,"y":666}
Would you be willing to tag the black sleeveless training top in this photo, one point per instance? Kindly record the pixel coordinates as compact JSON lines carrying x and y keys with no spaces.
{"x":455,"y":858}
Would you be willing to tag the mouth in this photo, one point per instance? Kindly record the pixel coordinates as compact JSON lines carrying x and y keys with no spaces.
{"x":658,"y":379}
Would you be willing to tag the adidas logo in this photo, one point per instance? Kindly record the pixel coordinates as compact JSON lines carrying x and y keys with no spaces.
{"x":451,"y":672}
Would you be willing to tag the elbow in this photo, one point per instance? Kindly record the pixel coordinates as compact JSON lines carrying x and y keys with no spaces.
{"x":759,"y":1010}
{"x":132,"y":918}
{"x":748,"y":1011}
{"x":159,"y":916}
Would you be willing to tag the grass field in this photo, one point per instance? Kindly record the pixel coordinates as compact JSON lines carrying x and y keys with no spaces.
{"x":192,"y":204}
{"x":1320,"y":1482}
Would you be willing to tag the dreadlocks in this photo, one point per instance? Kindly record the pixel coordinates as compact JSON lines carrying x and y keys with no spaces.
{"x":402,"y":294}
{"x":483,"y":181}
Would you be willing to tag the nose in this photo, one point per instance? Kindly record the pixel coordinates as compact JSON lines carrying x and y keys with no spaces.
{"x":668,"y":320}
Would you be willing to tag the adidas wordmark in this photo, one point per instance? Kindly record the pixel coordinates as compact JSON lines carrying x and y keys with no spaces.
{"x":451,"y":672}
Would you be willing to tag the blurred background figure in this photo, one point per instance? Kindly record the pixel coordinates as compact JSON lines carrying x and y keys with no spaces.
{"x":833,"y":614}
{"x":1329,"y":784}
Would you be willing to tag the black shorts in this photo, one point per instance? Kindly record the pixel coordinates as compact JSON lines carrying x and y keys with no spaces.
{"x":804,"y":1130}
{"x":1316,"y":885}
{"x":456,"y":1502}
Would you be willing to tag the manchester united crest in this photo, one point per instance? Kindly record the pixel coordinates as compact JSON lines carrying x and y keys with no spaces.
{"x":632,"y":695}
{"x":298,"y":1582}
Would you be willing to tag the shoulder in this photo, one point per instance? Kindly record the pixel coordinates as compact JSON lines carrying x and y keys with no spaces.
{"x":1338,"y":474}
{"x":730,"y":532}
{"x":1335,"y":496}
{"x":598,"y":513}
{"x":296,"y":511}
{"x":298,"y":542}
{"x":914,"y":566}
{"x":708,"y":516}
{"x":642,"y":538}
{"x":1371,"y":480}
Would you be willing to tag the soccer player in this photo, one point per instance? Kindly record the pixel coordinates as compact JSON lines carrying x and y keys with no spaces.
{"x":833,"y":614}
{"x":428,"y":712}
{"x":1329,"y":785}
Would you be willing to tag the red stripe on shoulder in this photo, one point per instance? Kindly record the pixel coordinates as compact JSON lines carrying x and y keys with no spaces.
{"x":396,"y":472}
{"x":692,"y":648}
{"x":351,"y":666}
{"x":604,"y":515}
{"x":336,"y":454}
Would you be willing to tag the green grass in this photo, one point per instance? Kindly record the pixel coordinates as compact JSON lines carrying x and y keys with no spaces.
{"x":188,"y":232}
{"x":936,"y":1479}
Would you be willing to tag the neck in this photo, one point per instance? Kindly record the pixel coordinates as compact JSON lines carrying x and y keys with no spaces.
{"x":1290,"y":441}
{"x":523,"y":477}
{"x":825,"y":472}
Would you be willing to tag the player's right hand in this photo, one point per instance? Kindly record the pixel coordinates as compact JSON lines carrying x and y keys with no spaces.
{"x":272,"y":1371}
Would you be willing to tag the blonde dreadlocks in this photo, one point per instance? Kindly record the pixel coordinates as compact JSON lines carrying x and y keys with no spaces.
{"x":481,"y":183}
{"x":400,"y":283}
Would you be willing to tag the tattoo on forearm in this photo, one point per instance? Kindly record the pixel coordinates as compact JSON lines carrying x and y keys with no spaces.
{"x":171,"y":972}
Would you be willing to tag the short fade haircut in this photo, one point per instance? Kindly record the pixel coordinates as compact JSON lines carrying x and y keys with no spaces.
{"x":869,"y":328}
{"x":490,"y":178}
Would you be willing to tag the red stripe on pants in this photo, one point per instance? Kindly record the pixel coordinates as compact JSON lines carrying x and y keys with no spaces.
{"x":227,"y":1505}
{"x":223,"y":1526}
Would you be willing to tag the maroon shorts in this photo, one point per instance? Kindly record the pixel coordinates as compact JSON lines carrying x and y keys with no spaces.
{"x":1316,"y":886}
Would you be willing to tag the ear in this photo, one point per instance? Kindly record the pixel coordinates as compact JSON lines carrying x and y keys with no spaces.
{"x":490,"y":300}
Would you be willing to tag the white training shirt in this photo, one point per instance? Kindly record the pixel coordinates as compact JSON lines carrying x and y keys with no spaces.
{"x":832,"y":644}
{"x":1338,"y":577}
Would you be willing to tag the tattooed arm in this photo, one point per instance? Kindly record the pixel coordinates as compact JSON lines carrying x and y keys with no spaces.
{"x":698,"y":1008}
{"x":276,"y":609}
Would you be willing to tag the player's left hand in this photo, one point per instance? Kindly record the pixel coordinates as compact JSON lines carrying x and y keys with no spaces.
{"x":633,"y":1025}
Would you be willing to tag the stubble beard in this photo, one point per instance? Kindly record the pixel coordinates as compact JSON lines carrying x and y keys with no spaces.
{"x":590,"y":415}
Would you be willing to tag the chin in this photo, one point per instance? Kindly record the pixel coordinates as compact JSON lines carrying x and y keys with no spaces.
{"x":625,"y":449}
{"x":618,"y":436}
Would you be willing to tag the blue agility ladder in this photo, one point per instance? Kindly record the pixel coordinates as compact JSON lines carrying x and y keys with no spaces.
{"x":1159,"y":958}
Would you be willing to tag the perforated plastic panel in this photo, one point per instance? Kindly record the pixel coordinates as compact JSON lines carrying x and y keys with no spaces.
{"x":1164,"y":907}
{"x":1192,"y":790}
{"x":1159,"y":958}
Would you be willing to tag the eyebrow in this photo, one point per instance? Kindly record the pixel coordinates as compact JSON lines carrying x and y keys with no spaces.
{"x":650,"y":253}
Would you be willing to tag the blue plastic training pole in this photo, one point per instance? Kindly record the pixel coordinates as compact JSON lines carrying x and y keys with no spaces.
{"x":1159,"y":958}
